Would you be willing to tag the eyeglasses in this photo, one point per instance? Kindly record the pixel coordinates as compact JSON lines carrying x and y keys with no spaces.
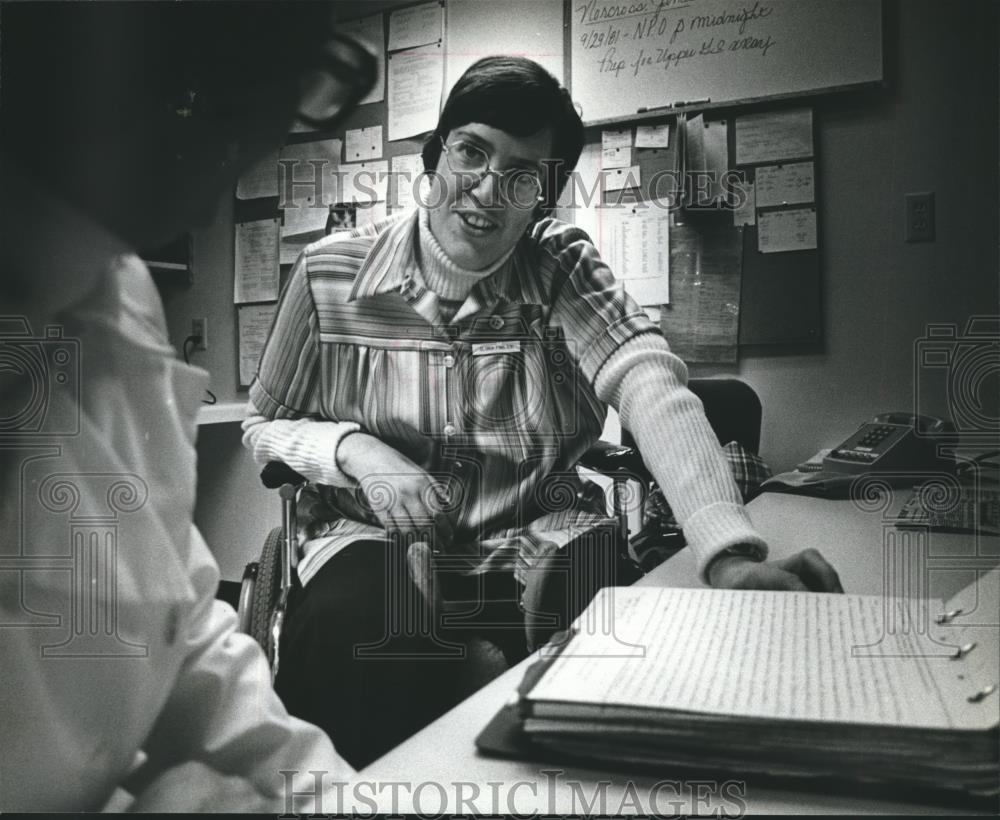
{"x":521,"y":187}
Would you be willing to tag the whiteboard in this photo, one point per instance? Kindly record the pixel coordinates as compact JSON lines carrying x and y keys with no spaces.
{"x":631,"y":55}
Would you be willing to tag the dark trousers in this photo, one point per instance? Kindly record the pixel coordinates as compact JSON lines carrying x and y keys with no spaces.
{"x":362,"y":658}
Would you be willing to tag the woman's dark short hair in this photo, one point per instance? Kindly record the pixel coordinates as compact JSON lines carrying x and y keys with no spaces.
{"x":516,"y":95}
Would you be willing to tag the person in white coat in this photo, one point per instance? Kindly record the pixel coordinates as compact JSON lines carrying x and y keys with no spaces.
{"x":121,"y":678}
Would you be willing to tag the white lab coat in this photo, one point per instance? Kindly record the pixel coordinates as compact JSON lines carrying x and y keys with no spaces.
{"x":112,"y":647}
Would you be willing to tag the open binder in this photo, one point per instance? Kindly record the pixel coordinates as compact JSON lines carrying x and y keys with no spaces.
{"x":778,"y":683}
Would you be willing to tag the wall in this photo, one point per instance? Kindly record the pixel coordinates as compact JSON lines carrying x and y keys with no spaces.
{"x":934,"y":129}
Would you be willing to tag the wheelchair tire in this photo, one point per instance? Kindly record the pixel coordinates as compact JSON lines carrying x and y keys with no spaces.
{"x":266,"y":591}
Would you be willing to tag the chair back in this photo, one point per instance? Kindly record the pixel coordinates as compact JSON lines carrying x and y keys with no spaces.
{"x":733,"y":409}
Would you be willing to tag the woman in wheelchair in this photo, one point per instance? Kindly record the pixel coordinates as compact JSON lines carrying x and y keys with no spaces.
{"x":436,"y":377}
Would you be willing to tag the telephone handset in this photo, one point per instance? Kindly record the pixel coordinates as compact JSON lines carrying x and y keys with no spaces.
{"x":893,"y":441}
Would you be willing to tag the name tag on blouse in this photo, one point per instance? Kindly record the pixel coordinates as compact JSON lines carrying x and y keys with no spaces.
{"x":491,"y":348}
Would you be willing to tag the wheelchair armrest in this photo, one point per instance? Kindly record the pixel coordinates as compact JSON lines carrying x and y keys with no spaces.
{"x":615,"y":460}
{"x":277,"y":473}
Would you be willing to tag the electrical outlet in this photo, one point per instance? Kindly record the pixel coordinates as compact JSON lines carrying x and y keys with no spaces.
{"x":920,"y":217}
{"x":199,"y":327}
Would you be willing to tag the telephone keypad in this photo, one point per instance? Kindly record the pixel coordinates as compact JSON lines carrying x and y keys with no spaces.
{"x":875,"y":436}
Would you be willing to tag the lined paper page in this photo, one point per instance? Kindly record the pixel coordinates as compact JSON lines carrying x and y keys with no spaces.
{"x":799,"y":656}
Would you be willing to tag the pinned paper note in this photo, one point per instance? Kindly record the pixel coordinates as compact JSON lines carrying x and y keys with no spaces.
{"x":342,"y":216}
{"x":617,"y":179}
{"x":369,"y":32}
{"x":785,"y":184}
{"x":365,"y":181}
{"x":616,"y":158}
{"x":407,"y":171}
{"x":793,"y":230}
{"x":416,"y":78}
{"x":301,"y":225}
{"x":307,"y":174}
{"x":635,"y":244}
{"x":415,"y":26}
{"x":253,"y":326}
{"x":774,"y":136}
{"x":255,"y":268}
{"x":363,"y":143}
{"x":305,"y":169}
{"x":616,"y":139}
{"x":745,"y":212}
{"x":652,"y":136}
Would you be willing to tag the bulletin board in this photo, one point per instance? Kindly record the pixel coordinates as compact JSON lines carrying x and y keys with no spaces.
{"x":738,"y":59}
{"x":627,"y":58}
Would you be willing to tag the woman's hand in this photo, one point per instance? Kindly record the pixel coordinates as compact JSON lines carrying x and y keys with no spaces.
{"x":805,"y":571}
{"x":402,"y":495}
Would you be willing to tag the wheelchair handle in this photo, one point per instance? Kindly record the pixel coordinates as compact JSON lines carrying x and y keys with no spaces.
{"x":276,"y":473}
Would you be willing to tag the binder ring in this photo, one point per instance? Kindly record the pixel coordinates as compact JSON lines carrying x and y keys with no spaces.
{"x":982,"y":694}
{"x":945,"y":617}
{"x":963,"y":650}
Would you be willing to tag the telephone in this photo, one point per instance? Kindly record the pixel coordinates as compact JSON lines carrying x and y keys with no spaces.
{"x":893,"y":441}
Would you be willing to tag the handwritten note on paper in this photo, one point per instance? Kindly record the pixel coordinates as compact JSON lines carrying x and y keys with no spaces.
{"x":370,"y":32}
{"x":260,"y":180}
{"x":752,"y":654}
{"x":415,"y":81}
{"x":302,"y":225}
{"x":363,"y":143}
{"x":785,"y":184}
{"x":253,"y":324}
{"x":406,"y":176}
{"x":365,"y":181}
{"x":616,"y":139}
{"x":652,"y":136}
{"x":616,"y":158}
{"x":256,"y":261}
{"x":774,"y":136}
{"x":779,"y":231}
{"x":617,"y":179}
{"x":307,"y":172}
{"x":415,"y":26}
{"x":635,"y":244}
{"x":745,"y":212}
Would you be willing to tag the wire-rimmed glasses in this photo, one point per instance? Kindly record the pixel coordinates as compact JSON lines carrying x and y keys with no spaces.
{"x":521,"y":187}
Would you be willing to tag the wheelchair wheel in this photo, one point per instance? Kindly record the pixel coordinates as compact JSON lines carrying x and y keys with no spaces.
{"x":266,"y":591}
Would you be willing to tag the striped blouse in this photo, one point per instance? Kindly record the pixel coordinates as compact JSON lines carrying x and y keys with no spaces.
{"x":498,"y":405}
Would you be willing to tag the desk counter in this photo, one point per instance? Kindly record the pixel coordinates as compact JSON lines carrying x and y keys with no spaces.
{"x":439,"y":768}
